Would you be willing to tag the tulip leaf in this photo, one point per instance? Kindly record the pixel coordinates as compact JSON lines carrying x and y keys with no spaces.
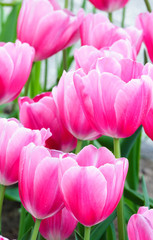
{"x":12,"y":193}
{"x":27,"y":235}
{"x":11,"y":23}
{"x":111,"y":233}
{"x":145,"y":192}
{"x":78,"y":235}
{"x":99,"y":229}
{"x":106,"y":142}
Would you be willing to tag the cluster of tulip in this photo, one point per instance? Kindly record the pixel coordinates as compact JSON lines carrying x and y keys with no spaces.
{"x":108,"y":93}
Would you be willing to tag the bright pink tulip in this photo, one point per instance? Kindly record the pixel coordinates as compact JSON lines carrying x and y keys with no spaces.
{"x":3,"y":238}
{"x":58,"y":227}
{"x":42,"y":112}
{"x":73,"y":119}
{"x":140,"y":225}
{"x":16,"y":62}
{"x":13,"y":138}
{"x":144,"y":22}
{"x":38,"y":182}
{"x":92,"y":185}
{"x":86,"y":56}
{"x":109,"y":5}
{"x":96,"y":30}
{"x":47,"y":28}
{"x":115,"y":97}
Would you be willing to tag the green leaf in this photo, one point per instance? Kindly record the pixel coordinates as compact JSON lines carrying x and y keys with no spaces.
{"x":8,"y":33}
{"x":145,"y":192}
{"x":106,"y":142}
{"x":98,"y":230}
{"x":27,"y":235}
{"x":12,"y":193}
{"x":78,"y":235}
{"x":111,"y":233}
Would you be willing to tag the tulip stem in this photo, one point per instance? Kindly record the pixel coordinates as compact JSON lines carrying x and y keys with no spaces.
{"x":66,"y":4}
{"x":148,"y":5}
{"x":46,"y":71}
{"x":87,"y":233}
{"x":2,"y":193}
{"x":120,"y":207}
{"x":22,"y":221}
{"x":36,"y":229}
{"x":123,"y":17}
{"x":78,"y":147}
{"x":110,"y":16}
{"x":65,"y":60}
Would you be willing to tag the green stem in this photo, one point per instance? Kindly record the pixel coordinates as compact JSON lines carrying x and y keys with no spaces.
{"x":66,"y":4}
{"x":84,"y":4}
{"x":1,"y":19}
{"x":72,"y":5}
{"x":110,"y":16}
{"x":78,"y":147}
{"x":36,"y":229}
{"x":123,"y":17}
{"x":22,"y":220}
{"x":10,"y":4}
{"x":46,"y":71}
{"x":148,"y":5}
{"x":26,"y":87}
{"x":120,"y":207}
{"x":65,"y":60}
{"x":2,"y":193}
{"x":87,"y":233}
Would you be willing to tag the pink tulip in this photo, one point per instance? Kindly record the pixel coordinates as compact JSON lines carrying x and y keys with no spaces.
{"x":86,"y":56}
{"x":92,"y":185}
{"x":38,"y":182}
{"x":42,"y":112}
{"x":3,"y":238}
{"x":58,"y":227}
{"x":115,"y":97}
{"x":140,"y":225}
{"x":16,"y":62}
{"x":109,"y":5}
{"x":73,"y":119}
{"x":47,"y":28}
{"x":144,"y":22}
{"x":12,"y":139}
{"x":96,"y":30}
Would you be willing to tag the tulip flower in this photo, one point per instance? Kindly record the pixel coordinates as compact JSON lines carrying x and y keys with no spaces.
{"x":115,"y":97}
{"x":42,"y":112}
{"x":86,"y":56}
{"x":75,"y":121}
{"x":3,"y":238}
{"x":13,"y":138}
{"x":60,"y":226}
{"x":38,"y":182}
{"x":16,"y":61}
{"x":109,"y":5}
{"x":46,"y":27}
{"x":92,"y":184}
{"x":144,"y":22}
{"x":96,"y":30}
{"x":140,"y":225}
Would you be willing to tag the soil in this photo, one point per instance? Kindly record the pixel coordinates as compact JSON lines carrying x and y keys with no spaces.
{"x":10,"y":214}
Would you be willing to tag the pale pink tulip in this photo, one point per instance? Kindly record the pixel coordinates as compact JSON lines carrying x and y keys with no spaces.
{"x":38,"y":182}
{"x":42,"y":112}
{"x":86,"y":56}
{"x":13,"y":138}
{"x":92,"y":185}
{"x":46,"y":27}
{"x":144,"y":22}
{"x":16,"y":62}
{"x":58,"y":227}
{"x":140,"y":225}
{"x":109,"y":5}
{"x":115,"y":97}
{"x":71,"y":112}
{"x":96,"y":30}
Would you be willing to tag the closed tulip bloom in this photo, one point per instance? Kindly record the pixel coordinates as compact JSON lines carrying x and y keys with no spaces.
{"x":58,"y":227}
{"x":16,"y":61}
{"x":109,"y":5}
{"x":51,"y":28}
{"x":92,"y":185}
{"x":38,"y":182}
{"x":115,"y":97}
{"x":42,"y":112}
{"x":140,"y":225}
{"x":73,"y":119}
{"x":144,"y":22}
{"x":13,"y":137}
{"x":3,"y":238}
{"x":96,"y":30}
